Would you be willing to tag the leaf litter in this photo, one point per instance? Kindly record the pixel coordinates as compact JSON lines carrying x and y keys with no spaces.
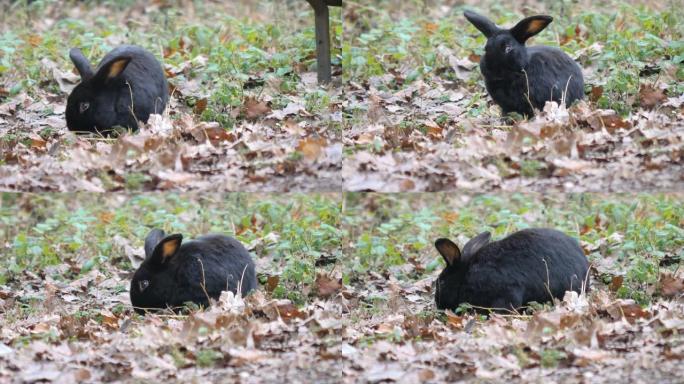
{"x":178,"y":154}
{"x":81,"y":333}
{"x":579,"y":149}
{"x":590,"y":337}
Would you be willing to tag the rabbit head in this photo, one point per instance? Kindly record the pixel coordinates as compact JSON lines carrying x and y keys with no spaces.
{"x":448,"y":290}
{"x":505,"y":48}
{"x":154,"y":280}
{"x":91,"y":105}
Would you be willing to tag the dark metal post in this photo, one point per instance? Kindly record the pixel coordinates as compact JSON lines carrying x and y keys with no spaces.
{"x":322,"y":16}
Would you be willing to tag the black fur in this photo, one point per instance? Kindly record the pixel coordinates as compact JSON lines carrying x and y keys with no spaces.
{"x":509,"y":273}
{"x":168,"y":282}
{"x":103,"y":98}
{"x":510,"y":69}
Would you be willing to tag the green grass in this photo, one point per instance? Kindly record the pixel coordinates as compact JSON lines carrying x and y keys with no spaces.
{"x":403,"y":37}
{"x":643,"y":234}
{"x":81,"y":231}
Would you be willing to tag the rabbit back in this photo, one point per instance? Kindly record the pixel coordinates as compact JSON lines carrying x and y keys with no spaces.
{"x":557,"y":77}
{"x":529,"y":265}
{"x":226,"y":264}
{"x":145,"y":77}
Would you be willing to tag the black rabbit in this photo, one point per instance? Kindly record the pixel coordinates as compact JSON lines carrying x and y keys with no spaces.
{"x":126,"y":87}
{"x":175,"y":273}
{"x":521,"y":79}
{"x":530,"y":265}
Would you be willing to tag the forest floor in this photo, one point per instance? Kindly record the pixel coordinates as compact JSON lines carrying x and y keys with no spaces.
{"x":627,"y":328}
{"x":346,"y":280}
{"x":408,"y":113}
{"x":420,"y":118}
{"x":346,"y":290}
{"x":246,"y":112}
{"x":65,"y":312}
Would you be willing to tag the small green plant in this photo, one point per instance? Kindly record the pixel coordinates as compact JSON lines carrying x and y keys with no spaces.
{"x":531,"y":168}
{"x":550,"y":358}
{"x":207,"y":357}
{"x":135,"y":181}
{"x":178,"y":358}
{"x":317,"y":101}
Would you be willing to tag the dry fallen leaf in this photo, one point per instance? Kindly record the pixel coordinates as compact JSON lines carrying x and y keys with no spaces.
{"x":616,"y":283}
{"x":650,"y":97}
{"x":311,"y":147}
{"x":454,"y":320}
{"x":293,"y":127}
{"x":670,"y":286}
{"x":37,"y":142}
{"x":566,"y":166}
{"x":212,"y":132}
{"x":596,"y":93}
{"x":272,"y":282}
{"x":200,"y":106}
{"x":255,"y":109}
{"x":327,"y":286}
{"x":289,"y":311}
{"x":609,"y":120}
{"x":628,"y":309}
{"x":290,"y":109}
{"x":82,"y":374}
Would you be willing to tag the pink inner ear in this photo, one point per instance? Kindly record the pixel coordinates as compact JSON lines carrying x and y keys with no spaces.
{"x":169,"y":248}
{"x":448,"y":250}
{"x":529,"y":27}
{"x":117,"y":67}
{"x":535,"y":26}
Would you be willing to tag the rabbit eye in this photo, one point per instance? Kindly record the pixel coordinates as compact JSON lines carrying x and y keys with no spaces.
{"x":507,"y":48}
{"x":143,"y":284}
{"x":84,"y":107}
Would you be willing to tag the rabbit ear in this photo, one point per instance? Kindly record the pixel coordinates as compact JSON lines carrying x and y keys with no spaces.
{"x":529,"y":27}
{"x":112,"y":68}
{"x":448,"y":250}
{"x":486,"y":26}
{"x":151,"y":241}
{"x":166,"y":248}
{"x":474,"y":245}
{"x":81,"y":63}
